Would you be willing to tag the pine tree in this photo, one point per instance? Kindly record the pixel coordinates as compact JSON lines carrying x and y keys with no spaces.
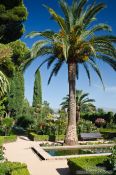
{"x":37,"y":96}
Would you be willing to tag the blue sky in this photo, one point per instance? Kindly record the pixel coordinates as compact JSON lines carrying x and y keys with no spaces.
{"x":38,"y":20}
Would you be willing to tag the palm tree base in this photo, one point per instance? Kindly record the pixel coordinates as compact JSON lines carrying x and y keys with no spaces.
{"x":71,"y":136}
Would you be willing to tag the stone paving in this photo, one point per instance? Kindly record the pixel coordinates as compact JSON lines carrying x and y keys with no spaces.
{"x":20,"y":151}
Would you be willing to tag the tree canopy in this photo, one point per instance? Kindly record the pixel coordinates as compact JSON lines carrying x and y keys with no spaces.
{"x":12,"y":16}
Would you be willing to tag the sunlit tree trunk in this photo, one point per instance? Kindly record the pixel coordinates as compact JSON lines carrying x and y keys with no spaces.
{"x":71,"y":133}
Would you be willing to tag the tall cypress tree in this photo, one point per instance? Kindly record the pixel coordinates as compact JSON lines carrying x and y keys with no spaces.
{"x":16,"y":95}
{"x":37,"y":96}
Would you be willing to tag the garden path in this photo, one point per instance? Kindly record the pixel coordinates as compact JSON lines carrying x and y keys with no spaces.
{"x":20,"y":151}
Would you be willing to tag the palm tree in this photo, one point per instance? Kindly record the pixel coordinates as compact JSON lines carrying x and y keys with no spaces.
{"x":4,"y":84}
{"x":76,"y":43}
{"x":5,"y":54}
{"x":82,"y":101}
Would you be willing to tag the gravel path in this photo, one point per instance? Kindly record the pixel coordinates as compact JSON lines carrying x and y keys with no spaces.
{"x":20,"y":151}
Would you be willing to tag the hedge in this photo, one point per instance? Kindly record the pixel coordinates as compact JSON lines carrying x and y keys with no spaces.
{"x":7,"y":139}
{"x":87,"y":165}
{"x":35,"y":137}
{"x":13,"y":168}
{"x":60,"y":137}
{"x":1,"y":140}
{"x":108,"y":133}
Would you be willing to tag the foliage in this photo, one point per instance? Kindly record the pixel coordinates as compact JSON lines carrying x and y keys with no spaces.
{"x":37,"y":96}
{"x":110,"y":130}
{"x":24,"y":121}
{"x":82,"y":100}
{"x":6,"y":125}
{"x":87,"y":165}
{"x":108,"y":117}
{"x":5,"y":52}
{"x":21,"y":53}
{"x":61,"y":123}
{"x":11,"y":18}
{"x":3,"y":102}
{"x":7,"y":139}
{"x":100,"y":122}
{"x":27,"y":109}
{"x":13,"y":168}
{"x":75,"y":41}
{"x":16,"y":94}
{"x":1,"y":140}
{"x":108,"y":133}
{"x":1,"y":153}
{"x":86,"y":126}
{"x":36,"y":137}
{"x":112,"y":159}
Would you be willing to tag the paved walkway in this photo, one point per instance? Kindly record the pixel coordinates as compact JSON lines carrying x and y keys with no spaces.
{"x":20,"y":151}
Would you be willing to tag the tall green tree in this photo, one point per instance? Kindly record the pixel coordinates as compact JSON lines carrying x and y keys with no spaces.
{"x":37,"y":95}
{"x":16,"y":94}
{"x":75,"y":43}
{"x":82,"y":100}
{"x":12,"y":16}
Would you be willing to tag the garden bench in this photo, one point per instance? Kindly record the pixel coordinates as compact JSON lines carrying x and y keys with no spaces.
{"x":90,"y":136}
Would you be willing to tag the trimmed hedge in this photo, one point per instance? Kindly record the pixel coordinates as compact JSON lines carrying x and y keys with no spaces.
{"x":87,"y":165}
{"x":60,"y":137}
{"x":7,"y":139}
{"x":13,"y":168}
{"x":1,"y":140}
{"x":108,"y":133}
{"x":35,"y":137}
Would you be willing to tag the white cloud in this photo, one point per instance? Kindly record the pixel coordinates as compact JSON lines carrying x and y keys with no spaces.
{"x":109,"y":89}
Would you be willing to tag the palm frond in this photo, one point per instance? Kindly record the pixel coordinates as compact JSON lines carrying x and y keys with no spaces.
{"x":87,"y":71}
{"x":111,"y":61}
{"x":47,"y":34}
{"x":96,"y":69}
{"x":80,"y":7}
{"x":92,"y":12}
{"x":100,"y":27}
{"x":4,"y":85}
{"x":67,"y":13}
{"x":37,"y":46}
{"x":57,"y":18}
{"x":55,"y":70}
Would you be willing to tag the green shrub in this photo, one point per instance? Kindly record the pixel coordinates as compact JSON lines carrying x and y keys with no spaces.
{"x":13,"y":168}
{"x":108,"y":133}
{"x":87,"y":165}
{"x":86,"y":126}
{"x":1,"y":140}
{"x":7,"y":139}
{"x":25,"y":121}
{"x":35,"y":137}
{"x":6,"y":125}
{"x":1,"y":153}
{"x":60,"y":137}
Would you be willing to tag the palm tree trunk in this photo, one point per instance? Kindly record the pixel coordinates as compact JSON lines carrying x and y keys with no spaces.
{"x":71,"y":133}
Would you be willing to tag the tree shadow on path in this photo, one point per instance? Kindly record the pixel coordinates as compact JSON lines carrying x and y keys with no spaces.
{"x":63,"y":171}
